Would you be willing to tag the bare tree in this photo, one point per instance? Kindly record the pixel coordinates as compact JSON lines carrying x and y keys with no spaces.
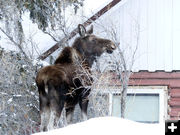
{"x":121,"y":64}
{"x":18,"y":95}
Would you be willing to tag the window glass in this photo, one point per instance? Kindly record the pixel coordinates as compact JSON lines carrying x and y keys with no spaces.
{"x":139,"y":107}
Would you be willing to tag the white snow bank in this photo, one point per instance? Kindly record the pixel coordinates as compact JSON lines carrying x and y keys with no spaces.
{"x":109,"y":126}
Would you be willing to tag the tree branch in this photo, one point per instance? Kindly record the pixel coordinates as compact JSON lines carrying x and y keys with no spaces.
{"x":15,"y":43}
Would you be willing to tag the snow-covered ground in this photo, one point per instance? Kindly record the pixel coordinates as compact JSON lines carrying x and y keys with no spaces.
{"x":109,"y":126}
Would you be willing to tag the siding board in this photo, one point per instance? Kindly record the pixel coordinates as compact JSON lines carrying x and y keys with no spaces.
{"x":174,"y":102}
{"x":156,"y":75}
{"x":158,"y":78}
{"x":174,"y":112}
{"x":175,"y":93}
{"x":170,"y":79}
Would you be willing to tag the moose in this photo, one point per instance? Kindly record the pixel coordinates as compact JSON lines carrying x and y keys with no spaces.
{"x":67,"y":82}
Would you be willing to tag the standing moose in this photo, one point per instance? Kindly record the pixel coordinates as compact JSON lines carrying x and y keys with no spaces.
{"x":68,"y":81}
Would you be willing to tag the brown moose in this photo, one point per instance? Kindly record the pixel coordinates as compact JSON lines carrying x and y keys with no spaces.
{"x":68,"y":81}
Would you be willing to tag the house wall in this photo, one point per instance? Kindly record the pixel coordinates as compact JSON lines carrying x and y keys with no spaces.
{"x":154,"y":27}
{"x":171,"y":80}
{"x":151,"y":25}
{"x":157,"y":79}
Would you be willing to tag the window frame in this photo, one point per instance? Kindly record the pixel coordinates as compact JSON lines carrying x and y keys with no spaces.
{"x":161,"y":91}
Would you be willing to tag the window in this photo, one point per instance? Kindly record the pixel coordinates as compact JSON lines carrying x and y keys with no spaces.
{"x":142,"y":105}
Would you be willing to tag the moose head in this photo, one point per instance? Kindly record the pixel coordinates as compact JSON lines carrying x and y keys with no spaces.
{"x":91,"y":46}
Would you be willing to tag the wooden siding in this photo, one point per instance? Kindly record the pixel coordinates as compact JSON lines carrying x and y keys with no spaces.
{"x":158,"y":78}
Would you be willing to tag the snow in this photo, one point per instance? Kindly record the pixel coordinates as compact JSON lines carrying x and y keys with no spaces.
{"x":40,"y":62}
{"x":109,"y":126}
{"x":9,"y":101}
{"x":17,"y":95}
{"x":44,"y":41}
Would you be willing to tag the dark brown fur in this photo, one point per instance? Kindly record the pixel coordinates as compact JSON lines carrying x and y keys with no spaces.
{"x":67,"y":82}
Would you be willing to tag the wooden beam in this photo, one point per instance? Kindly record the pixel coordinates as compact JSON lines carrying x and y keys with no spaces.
{"x":74,"y":32}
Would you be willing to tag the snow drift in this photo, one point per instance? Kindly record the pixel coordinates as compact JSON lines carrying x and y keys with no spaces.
{"x":109,"y":126}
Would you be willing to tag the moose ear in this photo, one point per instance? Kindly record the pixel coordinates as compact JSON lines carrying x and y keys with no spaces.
{"x":82,"y":30}
{"x":90,"y":31}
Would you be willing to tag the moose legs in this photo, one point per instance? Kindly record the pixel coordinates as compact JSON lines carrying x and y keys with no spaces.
{"x":44,"y":108}
{"x":82,"y":99}
{"x":50,"y":113}
{"x":44,"y":112}
{"x":51,"y":106}
{"x":69,"y":114}
{"x":83,"y":103}
{"x":45,"y":116}
{"x":56,"y":109}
